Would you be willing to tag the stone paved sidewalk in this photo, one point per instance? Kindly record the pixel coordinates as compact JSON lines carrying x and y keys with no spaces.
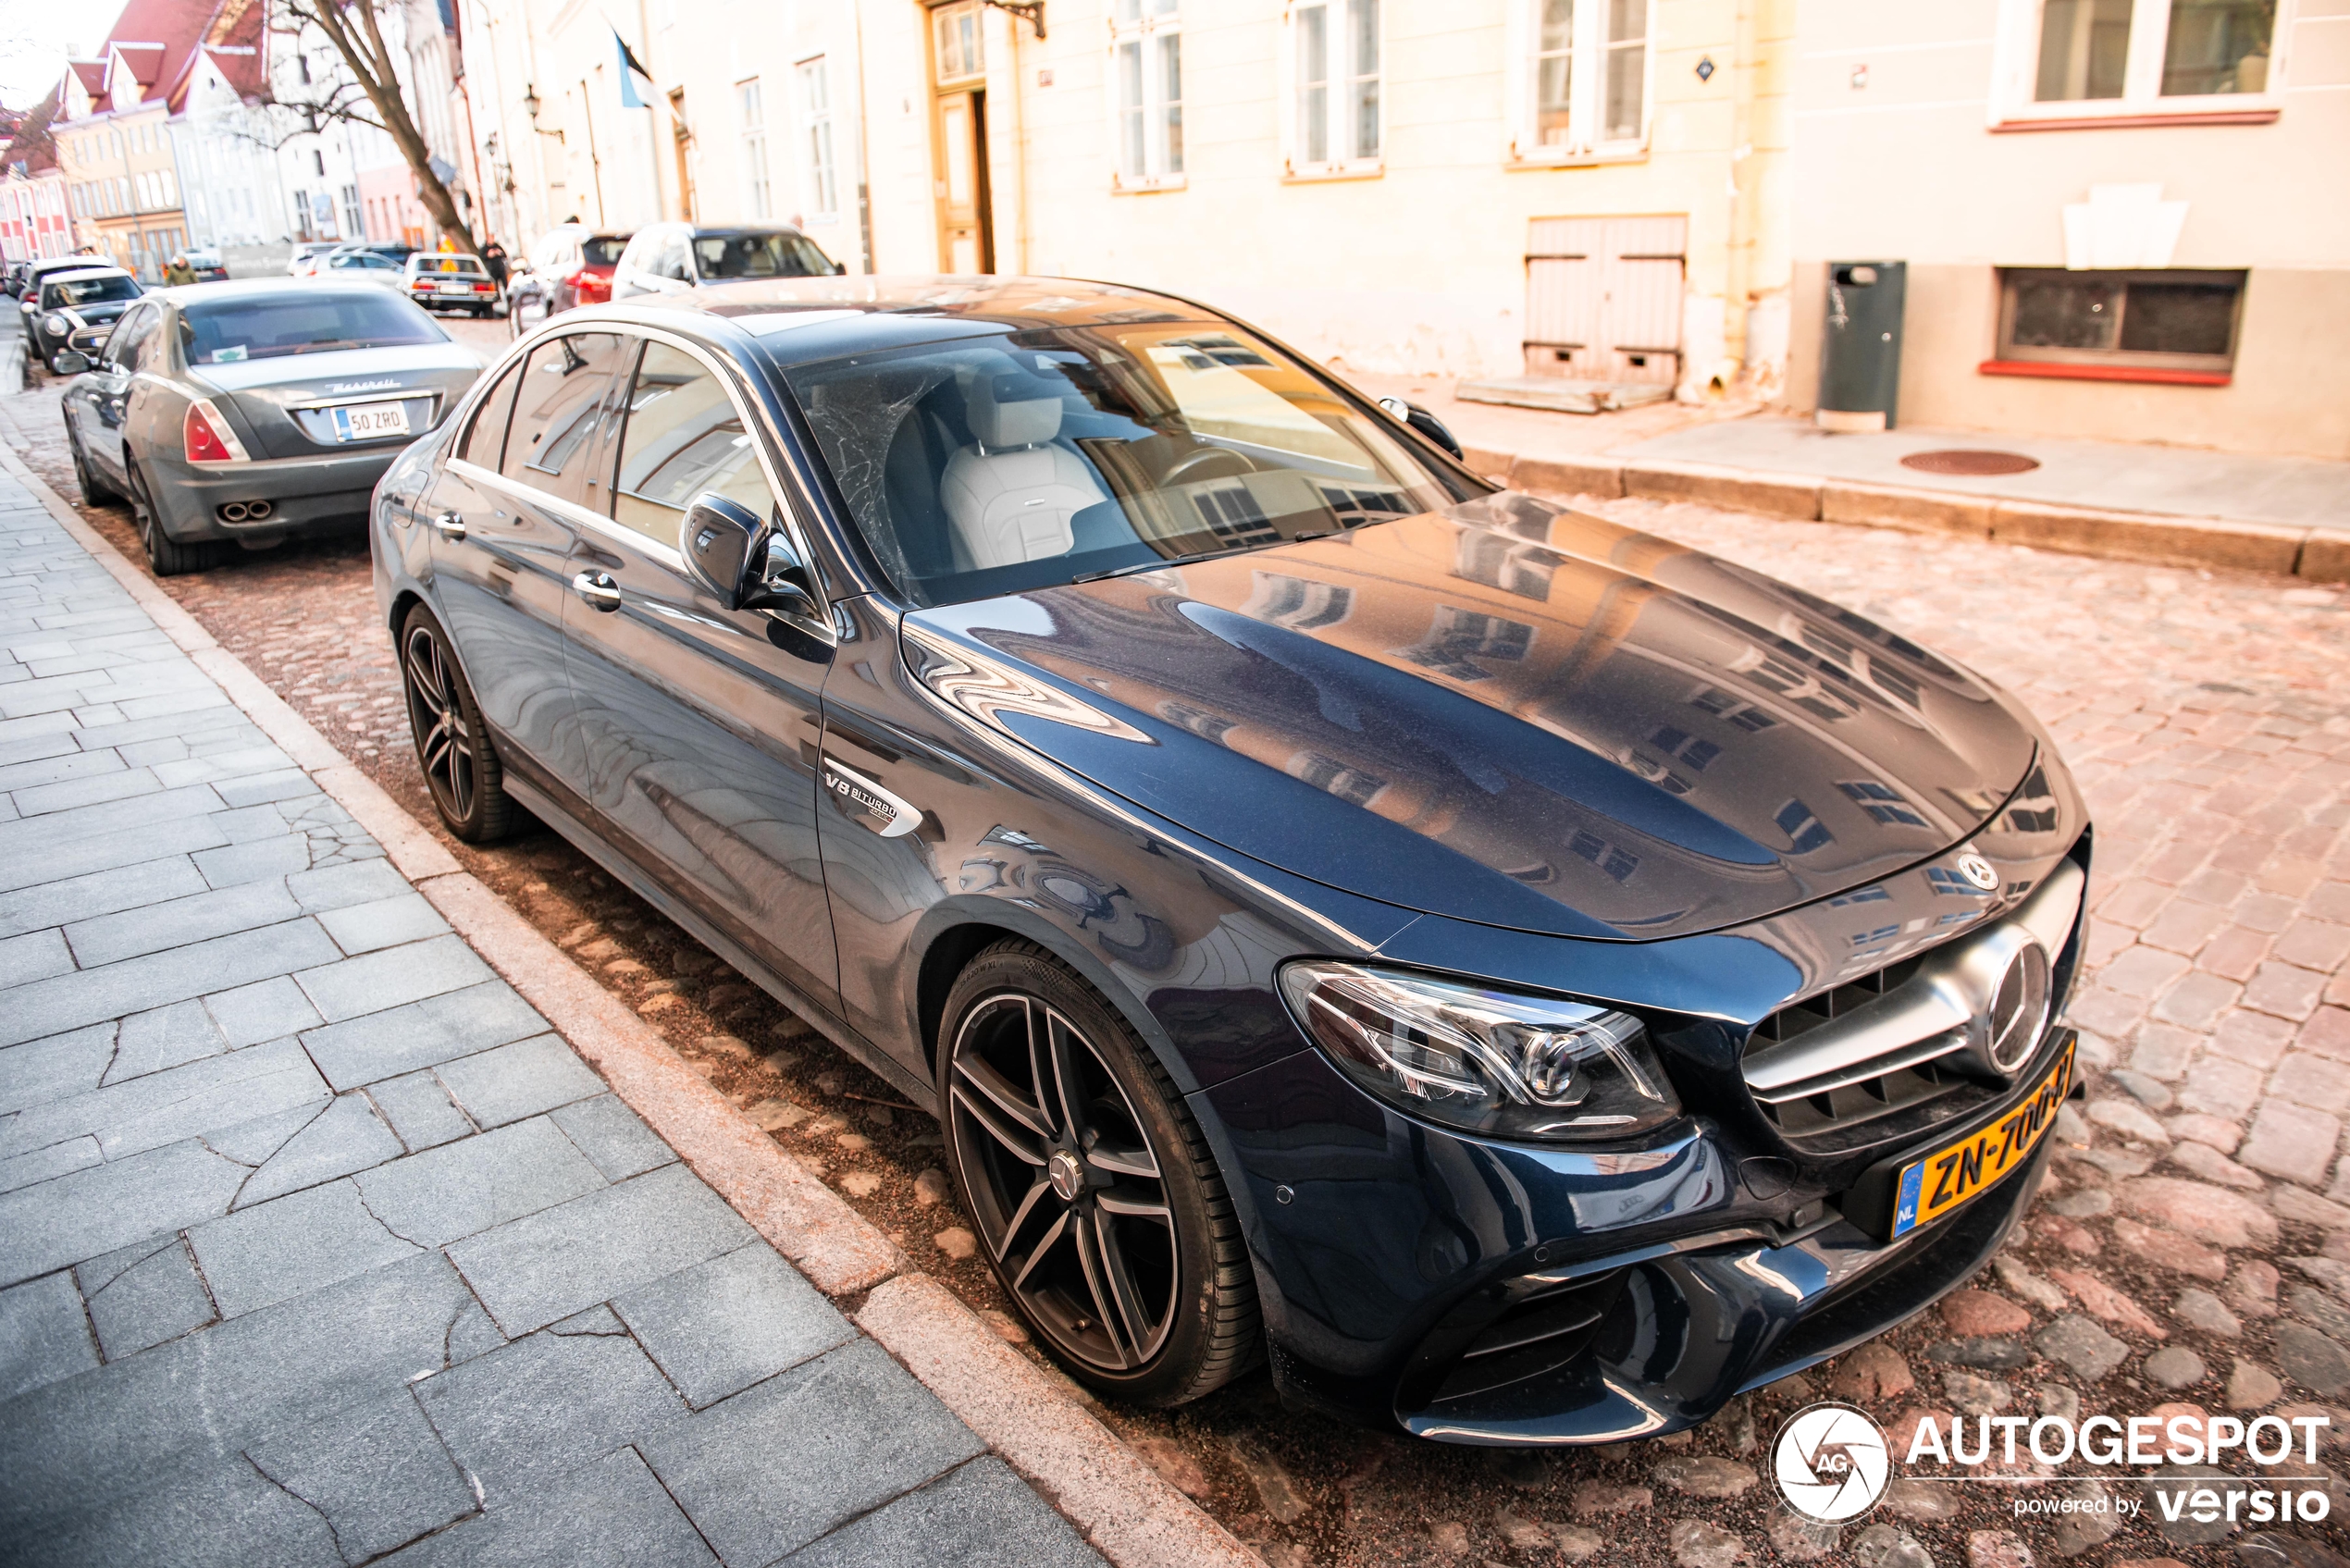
{"x":317,"y":1245}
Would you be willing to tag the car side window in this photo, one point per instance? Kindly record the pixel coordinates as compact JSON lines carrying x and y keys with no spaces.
{"x":684,"y":435}
{"x":561,"y":388}
{"x":672,"y":261}
{"x":132,"y":342}
{"x":485,"y":439}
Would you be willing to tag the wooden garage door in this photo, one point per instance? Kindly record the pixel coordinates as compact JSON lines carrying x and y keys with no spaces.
{"x":1603,"y":298}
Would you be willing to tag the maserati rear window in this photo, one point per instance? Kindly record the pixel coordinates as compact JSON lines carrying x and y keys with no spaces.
{"x":266,"y":326}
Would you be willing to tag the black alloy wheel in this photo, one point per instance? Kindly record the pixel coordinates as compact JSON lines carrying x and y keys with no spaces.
{"x":460,"y":767}
{"x":1097,"y":1200}
{"x":166,"y":555}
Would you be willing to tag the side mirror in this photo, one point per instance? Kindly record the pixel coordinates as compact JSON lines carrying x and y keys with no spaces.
{"x":738,"y":559}
{"x":70,"y":363}
{"x":1424,"y":422}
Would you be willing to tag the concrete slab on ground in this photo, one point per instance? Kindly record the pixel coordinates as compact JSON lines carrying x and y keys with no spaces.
{"x":2291,"y":492}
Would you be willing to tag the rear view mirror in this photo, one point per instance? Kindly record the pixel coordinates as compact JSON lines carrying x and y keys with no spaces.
{"x":70,"y":363}
{"x":745,"y":565}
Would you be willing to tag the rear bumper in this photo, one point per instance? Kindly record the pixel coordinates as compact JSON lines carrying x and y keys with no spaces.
{"x":304,"y":493}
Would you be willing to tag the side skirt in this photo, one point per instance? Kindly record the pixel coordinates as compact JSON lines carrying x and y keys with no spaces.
{"x":821,"y":1019}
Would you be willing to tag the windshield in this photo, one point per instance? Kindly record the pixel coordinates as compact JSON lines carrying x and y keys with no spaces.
{"x":265,"y":325}
{"x":604,"y":250}
{"x":89,"y":291}
{"x":1047,"y":457}
{"x":760,"y":256}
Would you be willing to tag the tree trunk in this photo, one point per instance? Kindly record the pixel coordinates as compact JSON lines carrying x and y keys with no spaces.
{"x":369,"y":60}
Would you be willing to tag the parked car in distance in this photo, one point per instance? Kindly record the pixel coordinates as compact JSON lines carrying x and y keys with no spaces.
{"x":394,"y":251}
{"x":306,"y":253}
{"x":363,"y":266}
{"x":575,"y":265}
{"x":668,"y":258}
{"x":439,"y":281}
{"x":208,"y":267}
{"x":29,"y":291}
{"x":249,"y":411}
{"x":76,"y":301}
{"x":1526,"y":978}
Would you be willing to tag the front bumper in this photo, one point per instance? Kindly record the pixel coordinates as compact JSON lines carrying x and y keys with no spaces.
{"x":1648,"y":1286}
{"x":304,"y":493}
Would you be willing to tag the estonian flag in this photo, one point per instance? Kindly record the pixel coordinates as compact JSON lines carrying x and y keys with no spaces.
{"x":636,"y":82}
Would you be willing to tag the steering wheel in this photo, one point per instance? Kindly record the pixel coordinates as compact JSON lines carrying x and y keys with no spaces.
{"x":1180,"y":471}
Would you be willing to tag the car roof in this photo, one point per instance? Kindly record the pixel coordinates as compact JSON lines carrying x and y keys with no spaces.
{"x":66,"y":274}
{"x":798,"y":320}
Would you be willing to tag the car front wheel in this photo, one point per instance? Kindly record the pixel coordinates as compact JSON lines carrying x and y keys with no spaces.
{"x":1097,"y":1201}
{"x":461,"y":768}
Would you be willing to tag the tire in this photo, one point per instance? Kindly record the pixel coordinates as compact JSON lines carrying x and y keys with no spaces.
{"x":94,"y":492}
{"x":461,"y":766}
{"x":1097,"y":1201}
{"x":166,"y":556}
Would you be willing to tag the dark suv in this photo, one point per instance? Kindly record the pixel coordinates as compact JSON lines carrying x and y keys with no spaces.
{"x":1533,"y":979}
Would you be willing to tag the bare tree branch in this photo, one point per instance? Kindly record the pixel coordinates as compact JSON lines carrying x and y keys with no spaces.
{"x":369,"y":90}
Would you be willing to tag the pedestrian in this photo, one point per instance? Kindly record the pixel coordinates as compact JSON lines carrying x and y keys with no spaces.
{"x":493,"y":256}
{"x":178,"y":272}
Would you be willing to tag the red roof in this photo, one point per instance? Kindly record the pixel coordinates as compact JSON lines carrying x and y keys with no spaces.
{"x":92,"y":75}
{"x":179,"y":27}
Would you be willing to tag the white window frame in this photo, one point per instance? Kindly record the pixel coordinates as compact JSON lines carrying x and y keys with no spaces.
{"x":1154,"y":26}
{"x":751,"y":115}
{"x":2016,"y":77}
{"x":1339,"y":161}
{"x":1586,"y":91}
{"x":819,"y":150}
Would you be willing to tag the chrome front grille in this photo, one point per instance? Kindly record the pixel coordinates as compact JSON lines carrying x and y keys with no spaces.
{"x":1919,"y":1041}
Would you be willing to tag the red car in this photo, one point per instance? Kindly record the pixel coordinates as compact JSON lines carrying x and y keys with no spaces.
{"x":577,"y":266}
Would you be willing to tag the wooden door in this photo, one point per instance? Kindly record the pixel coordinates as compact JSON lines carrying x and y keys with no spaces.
{"x":959,"y":139}
{"x":1603,"y":298}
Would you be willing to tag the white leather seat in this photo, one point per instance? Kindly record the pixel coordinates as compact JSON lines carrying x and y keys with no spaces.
{"x":1009,"y":495}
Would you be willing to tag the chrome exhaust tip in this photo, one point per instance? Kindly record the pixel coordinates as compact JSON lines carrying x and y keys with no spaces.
{"x":234,"y":511}
{"x":258,"y":509}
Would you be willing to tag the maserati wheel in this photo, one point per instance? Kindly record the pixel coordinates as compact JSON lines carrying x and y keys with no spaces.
{"x":1095,"y":1198}
{"x":460,"y":766}
{"x":166,"y":555}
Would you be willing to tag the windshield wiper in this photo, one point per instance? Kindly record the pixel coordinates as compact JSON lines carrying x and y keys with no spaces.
{"x":1149,"y":565}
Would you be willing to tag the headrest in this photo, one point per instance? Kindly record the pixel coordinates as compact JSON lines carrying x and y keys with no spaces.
{"x":1006,"y":411}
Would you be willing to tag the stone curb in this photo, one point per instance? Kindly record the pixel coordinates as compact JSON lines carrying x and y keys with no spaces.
{"x":1128,"y":1513}
{"x":1106,"y":1490}
{"x":2157,"y":538}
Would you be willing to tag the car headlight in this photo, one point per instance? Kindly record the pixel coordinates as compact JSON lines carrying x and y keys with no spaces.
{"x":54,"y":324}
{"x":1482,"y":1060}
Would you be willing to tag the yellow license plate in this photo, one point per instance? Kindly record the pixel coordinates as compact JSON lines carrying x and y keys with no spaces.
{"x":1930,"y":1187}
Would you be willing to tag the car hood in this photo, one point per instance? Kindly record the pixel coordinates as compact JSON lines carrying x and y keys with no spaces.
{"x":1505,"y":713}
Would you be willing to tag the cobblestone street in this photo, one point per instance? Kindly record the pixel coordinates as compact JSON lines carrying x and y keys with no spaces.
{"x":2190,"y":1251}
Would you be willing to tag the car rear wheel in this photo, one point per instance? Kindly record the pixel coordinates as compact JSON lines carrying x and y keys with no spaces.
{"x":166,"y":555}
{"x":1097,"y":1201}
{"x":452,"y":747}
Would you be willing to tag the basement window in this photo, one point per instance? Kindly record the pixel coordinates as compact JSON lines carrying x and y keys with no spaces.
{"x":2172,"y":325}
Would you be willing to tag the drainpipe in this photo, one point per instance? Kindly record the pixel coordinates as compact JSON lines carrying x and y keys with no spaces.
{"x":1745,"y":176}
{"x":864,"y":166}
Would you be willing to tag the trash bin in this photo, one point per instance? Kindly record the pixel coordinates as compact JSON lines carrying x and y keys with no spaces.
{"x":1860,"y":348}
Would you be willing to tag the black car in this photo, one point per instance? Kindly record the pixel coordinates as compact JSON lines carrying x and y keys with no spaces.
{"x":83,"y":302}
{"x":1529,"y":980}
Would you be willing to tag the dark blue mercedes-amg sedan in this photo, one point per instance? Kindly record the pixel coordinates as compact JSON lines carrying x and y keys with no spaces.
{"x":1526,"y":980}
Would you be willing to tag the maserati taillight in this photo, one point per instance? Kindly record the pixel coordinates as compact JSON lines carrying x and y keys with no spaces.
{"x":209,"y":439}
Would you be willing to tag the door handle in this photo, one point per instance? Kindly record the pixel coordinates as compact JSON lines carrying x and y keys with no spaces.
{"x":598,"y":589}
{"x":448,"y":526}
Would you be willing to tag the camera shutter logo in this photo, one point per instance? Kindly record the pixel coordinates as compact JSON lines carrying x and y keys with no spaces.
{"x":1831,"y":1463}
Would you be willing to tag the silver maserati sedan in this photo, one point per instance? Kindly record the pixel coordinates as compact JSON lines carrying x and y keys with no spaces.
{"x":253,"y":411}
